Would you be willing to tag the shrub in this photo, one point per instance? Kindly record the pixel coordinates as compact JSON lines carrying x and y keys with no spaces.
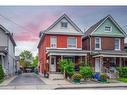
{"x":1,"y":72}
{"x":122,"y":72}
{"x":86,"y":72}
{"x":76,"y":76}
{"x":103,"y":76}
{"x":66,"y":66}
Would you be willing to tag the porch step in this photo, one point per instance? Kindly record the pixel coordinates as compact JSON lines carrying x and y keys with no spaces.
{"x":56,"y":76}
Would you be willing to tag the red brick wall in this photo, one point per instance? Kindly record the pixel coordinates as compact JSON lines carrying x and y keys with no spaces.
{"x":86,"y":44}
{"x":107,"y":43}
{"x":61,"y":43}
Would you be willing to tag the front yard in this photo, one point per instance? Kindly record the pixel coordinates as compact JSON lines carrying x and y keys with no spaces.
{"x":122,"y":80}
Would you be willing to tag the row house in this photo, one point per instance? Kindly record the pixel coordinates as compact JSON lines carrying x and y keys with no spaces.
{"x":62,"y":40}
{"x":102,"y":45}
{"x":105,"y":40}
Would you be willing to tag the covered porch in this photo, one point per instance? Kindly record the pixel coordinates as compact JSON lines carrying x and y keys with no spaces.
{"x":107,"y":62}
{"x":55,"y":55}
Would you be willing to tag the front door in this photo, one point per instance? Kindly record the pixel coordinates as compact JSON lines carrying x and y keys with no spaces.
{"x":53,"y":64}
{"x":97,"y":65}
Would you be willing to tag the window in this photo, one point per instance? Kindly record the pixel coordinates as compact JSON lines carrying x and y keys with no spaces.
{"x":53,"y":42}
{"x":117,"y":44}
{"x":64,"y":24}
{"x":72,"y":42}
{"x":108,"y":29}
{"x":97,"y":43}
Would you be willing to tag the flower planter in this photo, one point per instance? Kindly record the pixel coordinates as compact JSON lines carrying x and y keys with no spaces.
{"x":76,"y":81}
{"x":103,"y":81}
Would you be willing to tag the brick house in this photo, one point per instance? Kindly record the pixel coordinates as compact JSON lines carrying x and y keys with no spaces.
{"x":105,"y":40}
{"x":62,"y":40}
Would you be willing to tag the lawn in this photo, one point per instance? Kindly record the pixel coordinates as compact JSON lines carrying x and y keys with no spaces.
{"x":122,"y":79}
{"x":1,"y":81}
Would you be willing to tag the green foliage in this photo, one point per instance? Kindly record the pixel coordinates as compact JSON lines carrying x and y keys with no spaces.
{"x":76,"y":76}
{"x":26,"y":58}
{"x":86,"y":72}
{"x":104,"y":76}
{"x":122,"y":79}
{"x":35,"y":62}
{"x":67,"y":66}
{"x":1,"y":73}
{"x":122,"y":72}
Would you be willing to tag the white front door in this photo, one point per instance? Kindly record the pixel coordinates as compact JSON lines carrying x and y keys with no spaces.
{"x":53,"y":64}
{"x":97,"y":65}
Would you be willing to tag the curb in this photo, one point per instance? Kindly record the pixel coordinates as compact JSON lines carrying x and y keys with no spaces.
{"x":58,"y":88}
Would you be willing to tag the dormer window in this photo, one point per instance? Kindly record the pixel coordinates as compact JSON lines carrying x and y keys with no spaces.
{"x":64,"y":24}
{"x":108,"y":29}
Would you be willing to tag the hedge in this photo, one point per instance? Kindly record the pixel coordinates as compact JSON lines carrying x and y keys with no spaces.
{"x":1,"y":73}
{"x":122,"y":72}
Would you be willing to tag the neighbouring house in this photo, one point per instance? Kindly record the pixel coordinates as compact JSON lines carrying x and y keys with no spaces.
{"x":62,"y":40}
{"x":105,"y":40}
{"x":7,"y":51}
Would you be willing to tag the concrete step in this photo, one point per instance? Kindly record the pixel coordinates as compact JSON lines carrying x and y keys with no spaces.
{"x":56,"y":76}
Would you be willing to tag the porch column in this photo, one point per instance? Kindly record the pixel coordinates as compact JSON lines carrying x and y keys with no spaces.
{"x":120,"y":62}
{"x":50,"y":57}
{"x":85,"y":59}
{"x":61,"y":57}
{"x":101,"y":64}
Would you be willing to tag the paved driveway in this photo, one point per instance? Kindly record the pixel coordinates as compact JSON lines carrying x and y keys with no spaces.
{"x":26,"y":79}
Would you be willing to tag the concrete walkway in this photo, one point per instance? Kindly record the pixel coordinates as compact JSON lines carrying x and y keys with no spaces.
{"x":64,"y":84}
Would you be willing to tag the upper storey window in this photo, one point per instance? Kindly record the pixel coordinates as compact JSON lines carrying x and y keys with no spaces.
{"x":97,"y":43}
{"x":64,"y":24}
{"x":108,"y":28}
{"x":53,"y":42}
{"x":117,"y":44}
{"x":71,"y":42}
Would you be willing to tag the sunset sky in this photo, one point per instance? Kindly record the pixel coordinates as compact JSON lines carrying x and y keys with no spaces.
{"x":27,"y":22}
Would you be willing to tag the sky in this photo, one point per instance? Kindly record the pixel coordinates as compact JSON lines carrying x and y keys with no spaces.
{"x":27,"y":21}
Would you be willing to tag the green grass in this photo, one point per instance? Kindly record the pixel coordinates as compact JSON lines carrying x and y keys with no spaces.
{"x":122,"y":79}
{"x":1,"y":81}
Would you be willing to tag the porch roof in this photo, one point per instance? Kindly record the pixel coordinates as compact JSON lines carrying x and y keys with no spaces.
{"x":67,"y":52}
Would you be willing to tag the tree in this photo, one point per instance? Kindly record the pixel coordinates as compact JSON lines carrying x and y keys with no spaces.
{"x":26,"y":58}
{"x":35,"y":62}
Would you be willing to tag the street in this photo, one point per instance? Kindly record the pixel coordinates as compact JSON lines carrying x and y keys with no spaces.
{"x":26,"y":79}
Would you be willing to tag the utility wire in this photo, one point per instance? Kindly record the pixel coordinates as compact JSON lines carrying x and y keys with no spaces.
{"x":24,"y":28}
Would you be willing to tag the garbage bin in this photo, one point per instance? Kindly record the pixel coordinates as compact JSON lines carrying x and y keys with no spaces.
{"x":97,"y":76}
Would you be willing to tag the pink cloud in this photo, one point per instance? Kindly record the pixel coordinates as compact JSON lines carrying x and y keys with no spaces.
{"x":34,"y":28}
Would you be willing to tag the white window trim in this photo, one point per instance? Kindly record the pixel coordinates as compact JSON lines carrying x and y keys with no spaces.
{"x":119,"y":44}
{"x":99,"y":43}
{"x":72,"y":47}
{"x":110,"y":30}
{"x":51,"y":43}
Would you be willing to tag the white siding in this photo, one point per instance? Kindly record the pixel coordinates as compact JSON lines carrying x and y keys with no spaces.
{"x":58,"y":29}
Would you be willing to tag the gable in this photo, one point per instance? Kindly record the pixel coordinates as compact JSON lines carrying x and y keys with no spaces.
{"x":100,"y":31}
{"x":71,"y":28}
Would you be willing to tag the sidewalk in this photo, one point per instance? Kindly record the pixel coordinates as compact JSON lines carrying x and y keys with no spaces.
{"x":7,"y":81}
{"x":64,"y":84}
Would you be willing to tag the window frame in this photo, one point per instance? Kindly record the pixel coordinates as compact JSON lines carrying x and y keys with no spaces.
{"x":119,"y":44}
{"x":110,"y":29}
{"x":53,"y":43}
{"x":64,"y":23}
{"x":71,"y":44}
{"x":99,"y":43}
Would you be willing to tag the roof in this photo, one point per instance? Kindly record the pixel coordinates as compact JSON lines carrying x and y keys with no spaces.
{"x":71,"y":52}
{"x":68,"y":19}
{"x":41,"y":35}
{"x":9,"y":34}
{"x":95,"y":26}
